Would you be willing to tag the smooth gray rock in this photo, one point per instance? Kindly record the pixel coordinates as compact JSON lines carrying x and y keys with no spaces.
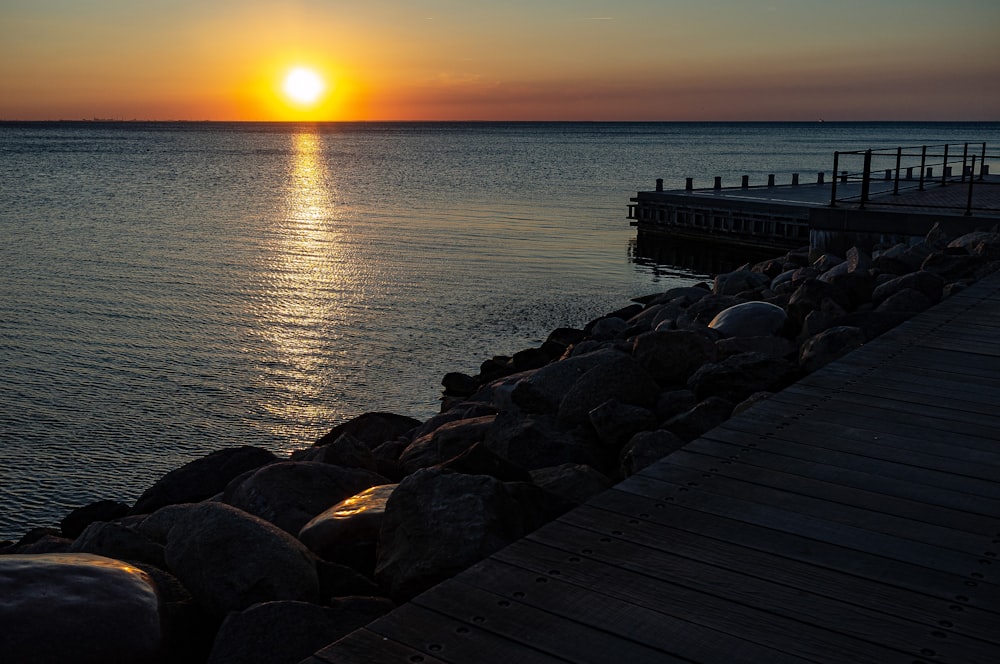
{"x":750,"y":319}
{"x":347,"y":533}
{"x":671,"y":356}
{"x":908,"y":301}
{"x":829,"y":345}
{"x":290,"y":493}
{"x":574,"y":483}
{"x":372,"y":429}
{"x":481,"y":460}
{"x":77,"y":608}
{"x":288,"y":632}
{"x":929,"y":284}
{"x":737,"y":377}
{"x":623,"y":379}
{"x":739,"y":281}
{"x":202,"y":478}
{"x":229,"y":559}
{"x":114,"y":540}
{"x":750,"y":402}
{"x":445,"y":442}
{"x":646,"y":448}
{"x":346,"y":451}
{"x":699,"y":314}
{"x":535,"y":441}
{"x":706,"y":415}
{"x":438,"y":523}
{"x":979,"y":243}
{"x":616,"y":422}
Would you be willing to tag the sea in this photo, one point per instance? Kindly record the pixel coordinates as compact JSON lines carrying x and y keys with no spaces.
{"x":171,"y":289}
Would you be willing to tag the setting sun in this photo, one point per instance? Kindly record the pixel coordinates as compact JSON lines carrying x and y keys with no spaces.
{"x":303,"y":86}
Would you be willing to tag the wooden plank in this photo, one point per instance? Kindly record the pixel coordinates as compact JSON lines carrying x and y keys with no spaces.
{"x":923,"y":381}
{"x":448,"y":639}
{"x":956,"y":523}
{"x":363,"y":647}
{"x":586,"y":531}
{"x":977,"y":402}
{"x":587,"y":627}
{"x":659,"y":573}
{"x":784,"y":453}
{"x":830,"y":552}
{"x":931,"y":455}
{"x":797,"y":523}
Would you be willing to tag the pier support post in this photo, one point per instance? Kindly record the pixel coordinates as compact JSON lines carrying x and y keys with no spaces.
{"x":820,"y":177}
{"x":659,"y":184}
{"x":795,"y":179}
{"x":770,"y":180}
{"x":718,"y":182}
{"x":909,"y":172}
{"x":688,"y":184}
{"x":745,"y":182}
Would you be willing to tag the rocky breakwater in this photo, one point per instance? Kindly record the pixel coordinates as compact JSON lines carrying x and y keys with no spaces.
{"x":241,"y":556}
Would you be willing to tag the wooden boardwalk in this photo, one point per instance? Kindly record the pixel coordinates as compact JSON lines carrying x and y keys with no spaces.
{"x":853,"y":517}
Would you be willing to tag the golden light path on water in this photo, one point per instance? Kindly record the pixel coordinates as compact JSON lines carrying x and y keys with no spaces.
{"x":304,"y":281}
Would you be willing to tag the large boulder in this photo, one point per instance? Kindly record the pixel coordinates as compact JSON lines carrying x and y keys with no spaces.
{"x":115,"y":540}
{"x":536,"y":441}
{"x":979,"y":243}
{"x":346,"y":451}
{"x":438,"y":523}
{"x":739,"y":281}
{"x":543,"y":390}
{"x":76,"y":521}
{"x":700,"y":313}
{"x":953,"y":267}
{"x":573,"y":483}
{"x":616,"y":422}
{"x":289,"y":632}
{"x":706,"y":415}
{"x":77,"y":608}
{"x":929,"y":284}
{"x":907,"y":301}
{"x":202,"y":478}
{"x":372,"y":429}
{"x":229,"y":559}
{"x":622,"y":379}
{"x":347,"y":533}
{"x":813,"y":295}
{"x":646,"y":448}
{"x":481,"y":460}
{"x":750,"y":319}
{"x":290,"y":493}
{"x":829,"y":345}
{"x":671,"y":356}
{"x":737,"y":377}
{"x":447,"y":441}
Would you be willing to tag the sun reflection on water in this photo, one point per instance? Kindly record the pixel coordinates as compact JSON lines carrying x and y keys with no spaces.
{"x":302,"y":298}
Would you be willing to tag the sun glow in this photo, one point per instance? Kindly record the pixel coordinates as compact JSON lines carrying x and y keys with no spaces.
{"x":304,"y":86}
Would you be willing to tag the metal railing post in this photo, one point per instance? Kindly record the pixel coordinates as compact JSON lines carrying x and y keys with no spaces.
{"x":965,"y":160}
{"x":866,"y":178}
{"x":972,"y":180}
{"x":944,"y":167}
{"x":923,"y":161}
{"x":895,"y":184}
{"x":833,"y":190}
{"x":982,"y":162}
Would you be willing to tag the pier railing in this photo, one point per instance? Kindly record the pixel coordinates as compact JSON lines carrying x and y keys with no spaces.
{"x":908,"y":168}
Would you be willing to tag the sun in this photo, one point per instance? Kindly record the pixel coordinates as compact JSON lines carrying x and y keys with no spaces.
{"x":303,"y":86}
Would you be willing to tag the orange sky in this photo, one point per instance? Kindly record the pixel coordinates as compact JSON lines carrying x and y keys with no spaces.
{"x":515,"y":60}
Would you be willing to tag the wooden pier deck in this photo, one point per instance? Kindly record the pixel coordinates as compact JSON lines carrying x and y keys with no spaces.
{"x":853,"y":517}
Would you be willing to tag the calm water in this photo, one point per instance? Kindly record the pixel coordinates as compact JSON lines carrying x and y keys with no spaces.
{"x":170,"y":289}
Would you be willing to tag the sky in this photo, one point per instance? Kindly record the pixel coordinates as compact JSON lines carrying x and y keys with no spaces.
{"x":669,"y":60}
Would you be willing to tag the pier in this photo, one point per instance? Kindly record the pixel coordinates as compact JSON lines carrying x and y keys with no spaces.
{"x":852,"y":517}
{"x":870,"y":197}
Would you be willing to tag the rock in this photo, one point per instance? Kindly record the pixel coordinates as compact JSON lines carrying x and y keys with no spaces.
{"x":447,"y":441}
{"x":895,"y":260}
{"x":857,"y":285}
{"x":372,"y":429}
{"x":737,"y":377}
{"x":347,"y":533}
{"x":674,"y":402}
{"x":290,"y":493}
{"x":437,"y":524}
{"x":858,"y":261}
{"x":77,"y":608}
{"x":45,"y":544}
{"x":953,"y":267}
{"x":608,"y":328}
{"x":751,"y":401}
{"x":699,"y":314}
{"x":907,"y":301}
{"x":114,"y":540}
{"x":769,"y":345}
{"x":535,"y":441}
{"x":814,"y":295}
{"x":460,"y":384}
{"x":622,"y":379}
{"x":202,"y":478}
{"x":157,"y":525}
{"x":827,"y":262}
{"x":872,"y":323}
{"x":733,"y":283}
{"x":646,"y":448}
{"x":616,"y":422}
{"x":750,"y":319}
{"x":671,"y":356}
{"x":481,"y":460}
{"x":706,"y":415}
{"x":574,"y":483}
{"x":543,"y":390}
{"x":979,"y":243}
{"x":530,"y":358}
{"x":829,"y":345}
{"x":103,"y":510}
{"x":229,"y":559}
{"x":346,"y":451}
{"x":336,"y":580}
{"x":689,"y":294}
{"x":289,"y":632}
{"x":929,"y":284}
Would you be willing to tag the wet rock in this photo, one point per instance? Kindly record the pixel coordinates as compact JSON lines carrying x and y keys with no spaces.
{"x":437,"y":524}
{"x":646,"y":448}
{"x":290,"y":493}
{"x":616,"y":422}
{"x":347,"y":533}
{"x":372,"y":428}
{"x":114,"y":540}
{"x":77,"y":608}
{"x":671,"y":356}
{"x":829,"y":345}
{"x":706,"y":415}
{"x":750,"y":319}
{"x":737,"y":377}
{"x":447,"y":441}
{"x":623,"y":379}
{"x":574,"y":483}
{"x":202,"y":478}
{"x":288,"y":632}
{"x":229,"y":559}
{"x":103,"y":510}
